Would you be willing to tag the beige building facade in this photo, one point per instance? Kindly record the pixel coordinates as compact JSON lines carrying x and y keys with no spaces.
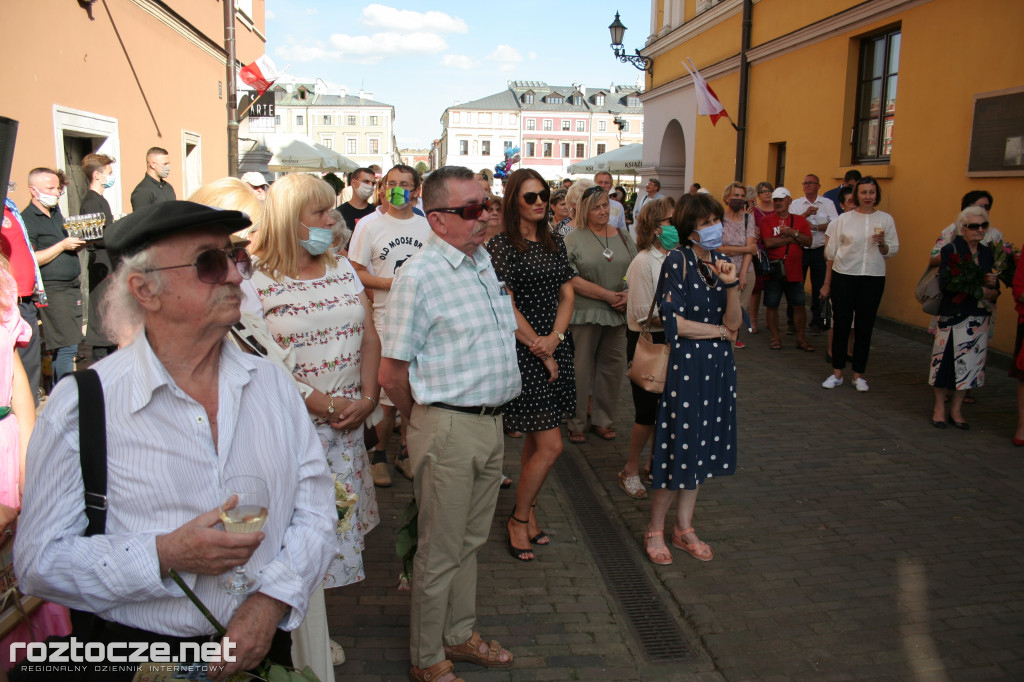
{"x":118,"y":77}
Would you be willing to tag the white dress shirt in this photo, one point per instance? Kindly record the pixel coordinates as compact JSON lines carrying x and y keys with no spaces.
{"x":164,"y":470}
{"x":850,"y":245}
{"x":819,"y":221}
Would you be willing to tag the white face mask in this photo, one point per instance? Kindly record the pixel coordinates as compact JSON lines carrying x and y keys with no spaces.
{"x":164,"y":171}
{"x":47,"y":200}
{"x":364,"y":191}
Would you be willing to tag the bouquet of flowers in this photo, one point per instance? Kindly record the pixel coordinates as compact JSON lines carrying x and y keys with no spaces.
{"x":345,"y":502}
{"x":1005,"y":261}
{"x":967,"y":278}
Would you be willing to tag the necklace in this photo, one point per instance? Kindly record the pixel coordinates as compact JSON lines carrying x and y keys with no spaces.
{"x":706,"y":274}
{"x":607,"y":253}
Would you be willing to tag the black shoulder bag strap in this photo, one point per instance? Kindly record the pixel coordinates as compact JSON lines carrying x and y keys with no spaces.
{"x":92,"y":452}
{"x":92,"y":435}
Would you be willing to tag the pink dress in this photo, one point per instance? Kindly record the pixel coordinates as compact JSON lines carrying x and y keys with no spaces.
{"x":49,"y":619}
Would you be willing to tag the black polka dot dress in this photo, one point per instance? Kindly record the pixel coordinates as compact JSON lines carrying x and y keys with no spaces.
{"x":695,"y":433}
{"x":534,"y":278}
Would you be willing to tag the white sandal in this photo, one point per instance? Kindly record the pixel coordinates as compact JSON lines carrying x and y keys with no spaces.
{"x":632,"y":486}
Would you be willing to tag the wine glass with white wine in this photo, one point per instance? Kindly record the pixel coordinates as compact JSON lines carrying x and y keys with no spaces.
{"x":244,"y":511}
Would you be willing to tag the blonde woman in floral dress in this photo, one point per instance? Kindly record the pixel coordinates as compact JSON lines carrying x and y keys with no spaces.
{"x":314,"y":303}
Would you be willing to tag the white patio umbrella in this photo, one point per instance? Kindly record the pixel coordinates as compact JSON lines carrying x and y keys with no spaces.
{"x":299,"y":153}
{"x":622,"y":160}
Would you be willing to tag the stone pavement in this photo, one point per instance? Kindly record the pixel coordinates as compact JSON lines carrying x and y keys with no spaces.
{"x":855,"y":542}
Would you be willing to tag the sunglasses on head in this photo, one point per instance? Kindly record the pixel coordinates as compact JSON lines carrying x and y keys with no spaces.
{"x":531,"y":197}
{"x":470,"y":212}
{"x":212,"y":266}
{"x":976,"y":226}
{"x":593,"y":190}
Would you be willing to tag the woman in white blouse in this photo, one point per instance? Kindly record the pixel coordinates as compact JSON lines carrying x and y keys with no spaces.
{"x":655,"y":235}
{"x":858,"y":244}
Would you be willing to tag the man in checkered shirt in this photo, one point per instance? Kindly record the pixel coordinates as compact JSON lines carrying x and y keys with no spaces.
{"x":449,"y":364}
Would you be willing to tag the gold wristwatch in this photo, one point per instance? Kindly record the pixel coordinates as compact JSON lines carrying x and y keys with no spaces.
{"x":560,"y":335}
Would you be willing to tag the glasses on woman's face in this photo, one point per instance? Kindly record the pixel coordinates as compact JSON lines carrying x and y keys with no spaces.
{"x":212,"y":266}
{"x":531,"y":197}
{"x":764,"y":191}
{"x":976,"y":226}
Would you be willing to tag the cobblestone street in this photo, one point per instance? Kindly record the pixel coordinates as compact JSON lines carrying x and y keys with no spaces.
{"x":856,"y":542}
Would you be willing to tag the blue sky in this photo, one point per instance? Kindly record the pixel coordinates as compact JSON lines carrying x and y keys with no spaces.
{"x":425,"y":56}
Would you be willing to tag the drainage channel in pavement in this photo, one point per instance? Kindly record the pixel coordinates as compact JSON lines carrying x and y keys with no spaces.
{"x":655,"y":629}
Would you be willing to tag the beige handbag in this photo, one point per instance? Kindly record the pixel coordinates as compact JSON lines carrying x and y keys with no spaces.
{"x":650,"y":360}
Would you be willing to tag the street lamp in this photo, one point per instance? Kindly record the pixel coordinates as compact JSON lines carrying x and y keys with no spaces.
{"x":618,"y":29}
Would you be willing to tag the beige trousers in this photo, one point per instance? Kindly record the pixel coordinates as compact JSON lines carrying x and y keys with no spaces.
{"x":600,"y":365}
{"x":456,"y":460}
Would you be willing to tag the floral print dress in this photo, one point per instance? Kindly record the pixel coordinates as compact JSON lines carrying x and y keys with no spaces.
{"x":322,"y":320}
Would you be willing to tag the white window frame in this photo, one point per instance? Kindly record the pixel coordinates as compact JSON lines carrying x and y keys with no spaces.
{"x":349,"y":139}
{"x":581,"y":126}
{"x":549,"y":125}
{"x":89,"y":125}
{"x":188,"y":186}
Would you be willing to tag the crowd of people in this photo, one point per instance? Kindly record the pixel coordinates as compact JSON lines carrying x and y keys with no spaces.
{"x":425,"y":307}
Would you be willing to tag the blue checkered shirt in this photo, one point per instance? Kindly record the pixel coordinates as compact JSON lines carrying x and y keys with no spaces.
{"x":450,"y":320}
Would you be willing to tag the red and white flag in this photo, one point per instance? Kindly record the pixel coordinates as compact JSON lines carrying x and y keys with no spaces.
{"x":707,"y":101}
{"x":259,"y":74}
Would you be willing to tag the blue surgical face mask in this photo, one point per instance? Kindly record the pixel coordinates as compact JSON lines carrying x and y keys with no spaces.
{"x":109,"y":182}
{"x":320,"y":239}
{"x":669,"y":237}
{"x":710,"y":236}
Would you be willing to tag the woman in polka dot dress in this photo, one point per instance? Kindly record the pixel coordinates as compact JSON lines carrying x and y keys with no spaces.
{"x":532,"y":263}
{"x":695,"y":433}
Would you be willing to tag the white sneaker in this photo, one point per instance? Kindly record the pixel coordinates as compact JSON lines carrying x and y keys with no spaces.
{"x":861,"y":385}
{"x":834,"y":381}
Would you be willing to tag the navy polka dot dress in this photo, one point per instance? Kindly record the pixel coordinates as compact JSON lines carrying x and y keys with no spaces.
{"x":695,"y":434}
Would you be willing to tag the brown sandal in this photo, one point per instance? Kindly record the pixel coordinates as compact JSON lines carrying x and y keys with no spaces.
{"x":434,"y":673}
{"x":577,"y":437}
{"x":469,"y":651}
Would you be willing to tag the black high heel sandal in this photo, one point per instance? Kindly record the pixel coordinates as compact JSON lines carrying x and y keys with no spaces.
{"x":516,"y":552}
{"x":536,"y":539}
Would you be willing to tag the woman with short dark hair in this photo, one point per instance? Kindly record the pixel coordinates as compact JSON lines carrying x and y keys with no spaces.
{"x":695,"y":433}
{"x":859,"y":242}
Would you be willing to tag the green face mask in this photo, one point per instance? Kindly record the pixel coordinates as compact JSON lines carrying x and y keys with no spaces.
{"x":669,"y":237}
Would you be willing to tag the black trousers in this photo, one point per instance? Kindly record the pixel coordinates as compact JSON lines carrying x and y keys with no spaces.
{"x":31,"y":355}
{"x":854,"y":297}
{"x":814,"y":261}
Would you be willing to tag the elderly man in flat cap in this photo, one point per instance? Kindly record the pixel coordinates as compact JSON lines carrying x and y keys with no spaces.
{"x":185,"y":412}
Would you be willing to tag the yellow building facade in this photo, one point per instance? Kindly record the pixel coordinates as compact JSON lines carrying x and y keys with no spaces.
{"x":927,"y":96}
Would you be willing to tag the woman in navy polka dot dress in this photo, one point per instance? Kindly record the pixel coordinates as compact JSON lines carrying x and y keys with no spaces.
{"x":695,"y":433}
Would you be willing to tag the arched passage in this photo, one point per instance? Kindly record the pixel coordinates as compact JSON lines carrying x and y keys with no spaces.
{"x":672,"y":160}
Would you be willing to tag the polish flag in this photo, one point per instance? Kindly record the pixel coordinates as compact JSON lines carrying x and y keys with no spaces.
{"x":707,"y":101}
{"x":259,"y":74}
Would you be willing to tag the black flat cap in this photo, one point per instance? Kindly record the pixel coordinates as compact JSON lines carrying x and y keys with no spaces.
{"x":144,"y":227}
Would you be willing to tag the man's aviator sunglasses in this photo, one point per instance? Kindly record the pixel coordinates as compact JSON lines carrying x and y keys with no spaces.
{"x":212,"y":266}
{"x":470,"y":212}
